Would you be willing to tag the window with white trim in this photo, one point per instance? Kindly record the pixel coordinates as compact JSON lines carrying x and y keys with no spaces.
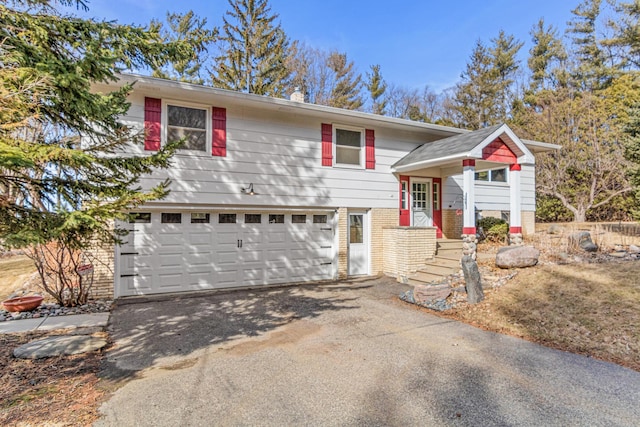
{"x":349,"y":146}
{"x":190,"y":123}
{"x":493,"y":175}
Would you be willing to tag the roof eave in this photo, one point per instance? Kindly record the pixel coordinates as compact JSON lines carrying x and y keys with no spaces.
{"x":278,"y":103}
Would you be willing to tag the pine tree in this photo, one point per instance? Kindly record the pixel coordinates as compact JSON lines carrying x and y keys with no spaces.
{"x":377,"y":87}
{"x":632,"y":152}
{"x":475,"y":96}
{"x":504,"y":53}
{"x":627,"y":32}
{"x":546,"y":53}
{"x":254,"y":50}
{"x":591,"y":71}
{"x":193,"y":30}
{"x":346,"y":91}
{"x":63,"y":175}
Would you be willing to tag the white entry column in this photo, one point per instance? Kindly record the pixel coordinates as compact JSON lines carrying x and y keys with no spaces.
{"x":515,"y":216}
{"x":469,"y":239}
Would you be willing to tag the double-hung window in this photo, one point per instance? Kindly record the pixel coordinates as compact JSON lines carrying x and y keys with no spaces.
{"x":189,"y":124}
{"x":349,"y":146}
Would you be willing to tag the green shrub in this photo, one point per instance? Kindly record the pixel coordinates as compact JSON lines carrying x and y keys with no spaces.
{"x":498,"y":233}
{"x":495,"y":229}
{"x":488,"y":222}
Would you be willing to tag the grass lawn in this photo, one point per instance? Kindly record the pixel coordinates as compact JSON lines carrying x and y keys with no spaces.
{"x":14,"y":272}
{"x":590,"y":309}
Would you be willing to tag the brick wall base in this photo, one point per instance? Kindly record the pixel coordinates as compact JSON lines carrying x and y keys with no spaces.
{"x":406,"y":249}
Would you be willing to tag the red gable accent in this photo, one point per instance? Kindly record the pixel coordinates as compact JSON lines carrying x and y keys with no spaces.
{"x":327,"y":145}
{"x":370,"y":147}
{"x":515,"y":167}
{"x":219,"y":138}
{"x":152,"y":114}
{"x":497,"y":151}
{"x":468,"y":162}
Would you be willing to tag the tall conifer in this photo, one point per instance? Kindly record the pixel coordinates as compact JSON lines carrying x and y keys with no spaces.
{"x":254,"y":50}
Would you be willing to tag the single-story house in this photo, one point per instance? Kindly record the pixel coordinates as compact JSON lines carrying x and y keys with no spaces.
{"x":270,"y":191}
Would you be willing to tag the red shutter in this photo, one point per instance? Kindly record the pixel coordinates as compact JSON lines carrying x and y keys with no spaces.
{"x":327,"y":145}
{"x":370,"y":147}
{"x":219,"y":138}
{"x":152,"y":114}
{"x":437,"y":213}
{"x":405,"y":219}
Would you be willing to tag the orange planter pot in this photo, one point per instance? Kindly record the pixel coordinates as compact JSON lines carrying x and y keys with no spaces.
{"x":23,"y":303}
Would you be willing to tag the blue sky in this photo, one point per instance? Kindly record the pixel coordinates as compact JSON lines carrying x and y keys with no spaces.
{"x":416,"y":43}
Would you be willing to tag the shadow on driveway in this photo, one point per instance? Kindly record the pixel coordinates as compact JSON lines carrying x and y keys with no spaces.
{"x":156,"y":329}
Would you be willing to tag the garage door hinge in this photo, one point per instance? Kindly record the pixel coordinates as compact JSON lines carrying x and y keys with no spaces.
{"x":325,"y":247}
{"x":129,"y":275}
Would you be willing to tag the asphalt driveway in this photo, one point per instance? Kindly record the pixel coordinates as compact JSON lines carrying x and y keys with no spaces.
{"x":343,"y":354}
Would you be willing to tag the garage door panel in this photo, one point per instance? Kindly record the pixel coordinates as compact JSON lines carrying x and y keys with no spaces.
{"x":181,"y":257}
{"x":199,"y":261}
{"x":276,"y":237}
{"x":170,"y":260}
{"x":203,"y":279}
{"x":252,"y":256}
{"x":170,"y":280}
{"x":227,"y":258}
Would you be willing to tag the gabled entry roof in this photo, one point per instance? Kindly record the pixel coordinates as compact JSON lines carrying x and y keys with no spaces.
{"x":464,"y":146}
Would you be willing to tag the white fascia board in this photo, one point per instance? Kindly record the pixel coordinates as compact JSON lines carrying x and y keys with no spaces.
{"x":526,"y":158}
{"x":285,"y":104}
{"x":541,"y":147}
{"x":431,"y":163}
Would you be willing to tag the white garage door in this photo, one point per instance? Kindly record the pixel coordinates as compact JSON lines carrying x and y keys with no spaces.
{"x":185,"y":251}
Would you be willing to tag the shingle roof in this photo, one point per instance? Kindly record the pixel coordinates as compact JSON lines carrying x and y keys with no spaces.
{"x":458,"y":144}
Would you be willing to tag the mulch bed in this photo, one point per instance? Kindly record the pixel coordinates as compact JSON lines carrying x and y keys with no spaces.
{"x":57,"y":391}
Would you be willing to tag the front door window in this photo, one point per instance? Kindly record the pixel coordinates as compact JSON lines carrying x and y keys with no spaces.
{"x":421,"y":203}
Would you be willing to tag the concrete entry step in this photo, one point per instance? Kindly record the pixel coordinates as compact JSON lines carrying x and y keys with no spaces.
{"x":439,"y":269}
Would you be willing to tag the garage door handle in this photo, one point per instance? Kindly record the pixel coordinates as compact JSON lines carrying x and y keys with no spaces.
{"x":128,"y":253}
{"x":325,"y":229}
{"x":239,"y":243}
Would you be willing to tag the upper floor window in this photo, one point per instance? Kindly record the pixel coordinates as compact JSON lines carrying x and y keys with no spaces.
{"x":348,"y":143}
{"x":189,"y":123}
{"x":493,"y":175}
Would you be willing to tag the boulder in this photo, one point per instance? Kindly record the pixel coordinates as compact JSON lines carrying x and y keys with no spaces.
{"x":472,"y":280}
{"x":633,"y":249}
{"x":582,"y":239}
{"x":424,"y":294}
{"x":555,"y":229}
{"x":517,"y":257}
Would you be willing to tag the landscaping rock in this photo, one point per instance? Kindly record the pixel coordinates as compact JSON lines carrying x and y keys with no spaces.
{"x":582,"y":239}
{"x":429,"y":293}
{"x":555,"y":229}
{"x":58,"y":345}
{"x":618,"y":254}
{"x":633,"y":249}
{"x":472,"y":279}
{"x":517,"y":257}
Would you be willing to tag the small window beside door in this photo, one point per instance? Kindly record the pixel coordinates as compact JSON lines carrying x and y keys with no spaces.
{"x":356,"y":229}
